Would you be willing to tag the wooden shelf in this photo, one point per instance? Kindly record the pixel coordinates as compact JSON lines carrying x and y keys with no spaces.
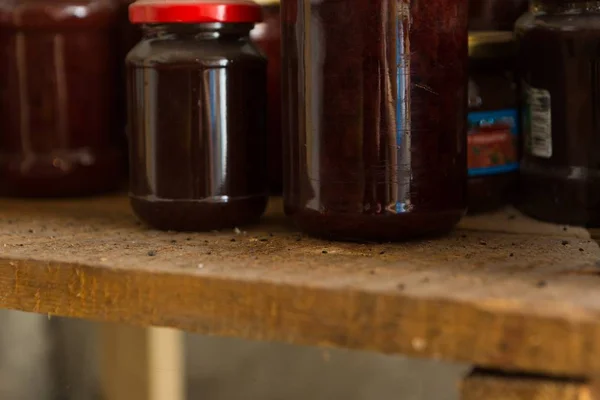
{"x":502,"y":292}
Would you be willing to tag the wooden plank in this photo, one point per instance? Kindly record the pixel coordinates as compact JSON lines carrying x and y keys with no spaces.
{"x":141,"y":363}
{"x":482,"y":386}
{"x":499,"y":300}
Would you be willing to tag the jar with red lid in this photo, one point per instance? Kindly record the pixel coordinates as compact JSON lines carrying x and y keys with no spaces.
{"x":197,"y":105}
{"x":495,"y":15}
{"x":58,"y":96}
{"x":375,"y":96}
{"x":559,"y":66}
{"x":267,"y":35}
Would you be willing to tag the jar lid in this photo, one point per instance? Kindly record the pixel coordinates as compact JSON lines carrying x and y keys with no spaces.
{"x":268,"y":2}
{"x":491,"y":44}
{"x":194,"y":11}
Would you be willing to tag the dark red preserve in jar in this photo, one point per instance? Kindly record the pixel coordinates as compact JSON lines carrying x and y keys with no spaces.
{"x":197,"y":104}
{"x":559,"y":62}
{"x":491,"y":15}
{"x":267,"y":35}
{"x":375,"y":117}
{"x":493,"y":121}
{"x":58,"y":92}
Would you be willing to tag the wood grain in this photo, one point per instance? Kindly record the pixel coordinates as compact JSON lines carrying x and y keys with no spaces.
{"x":480,"y":386}
{"x":500,"y":300}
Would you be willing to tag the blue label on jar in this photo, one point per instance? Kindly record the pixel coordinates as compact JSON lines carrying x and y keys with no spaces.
{"x":492,"y":142}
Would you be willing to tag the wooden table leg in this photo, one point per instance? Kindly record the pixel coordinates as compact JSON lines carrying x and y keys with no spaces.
{"x":488,"y":385}
{"x":141,"y":363}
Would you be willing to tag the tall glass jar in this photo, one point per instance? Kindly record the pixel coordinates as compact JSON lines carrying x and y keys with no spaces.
{"x":267,"y":35}
{"x":495,"y":15}
{"x":559,"y":65}
{"x":58,"y":97}
{"x":375,"y":118}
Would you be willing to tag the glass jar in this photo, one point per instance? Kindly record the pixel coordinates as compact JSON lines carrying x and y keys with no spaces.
{"x":197,"y":105}
{"x":495,"y":15}
{"x":559,"y":65}
{"x":493,"y":122}
{"x":267,"y":35}
{"x":375,"y":118}
{"x":58,"y":91}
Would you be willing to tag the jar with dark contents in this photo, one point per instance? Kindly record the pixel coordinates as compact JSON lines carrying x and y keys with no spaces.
{"x":559,"y":63}
{"x":493,"y":122}
{"x":375,"y":119}
{"x":267,"y":35}
{"x":58,"y":91}
{"x":197,"y":105}
{"x":492,"y":15}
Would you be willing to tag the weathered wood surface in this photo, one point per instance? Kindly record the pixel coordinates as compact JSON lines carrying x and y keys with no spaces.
{"x":481,"y":386}
{"x":523,"y":302}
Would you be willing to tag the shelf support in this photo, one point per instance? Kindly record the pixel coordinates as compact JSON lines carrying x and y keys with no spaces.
{"x":142,"y":363}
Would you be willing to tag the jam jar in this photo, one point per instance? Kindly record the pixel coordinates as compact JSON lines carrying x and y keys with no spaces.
{"x":197,"y":109}
{"x":491,"y":15}
{"x":58,"y":92}
{"x":267,"y":35}
{"x":559,"y":64}
{"x":493,"y":120}
{"x":375,"y":119}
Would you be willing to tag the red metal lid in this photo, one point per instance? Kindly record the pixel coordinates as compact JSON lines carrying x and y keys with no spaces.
{"x":194,"y":11}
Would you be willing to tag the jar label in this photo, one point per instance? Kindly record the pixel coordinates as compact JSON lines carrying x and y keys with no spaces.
{"x":537,"y":122}
{"x":492,"y":142}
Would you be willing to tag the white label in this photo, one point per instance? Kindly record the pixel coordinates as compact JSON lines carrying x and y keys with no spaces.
{"x":538,"y":123}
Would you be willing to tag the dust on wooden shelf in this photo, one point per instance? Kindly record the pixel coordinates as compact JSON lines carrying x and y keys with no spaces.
{"x":519,"y":295}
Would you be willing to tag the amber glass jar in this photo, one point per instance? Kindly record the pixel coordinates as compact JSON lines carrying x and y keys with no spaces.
{"x":492,"y":15}
{"x":197,"y":104}
{"x":58,"y":81}
{"x":376,"y":101}
{"x":560,"y":68}
{"x":267,"y":35}
{"x":493,"y":122}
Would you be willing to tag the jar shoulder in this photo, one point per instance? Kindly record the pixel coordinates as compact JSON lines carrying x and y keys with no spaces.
{"x":567,"y":22}
{"x":222,"y":53}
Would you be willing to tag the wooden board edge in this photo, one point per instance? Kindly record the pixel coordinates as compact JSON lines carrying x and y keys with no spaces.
{"x":346,"y":318}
